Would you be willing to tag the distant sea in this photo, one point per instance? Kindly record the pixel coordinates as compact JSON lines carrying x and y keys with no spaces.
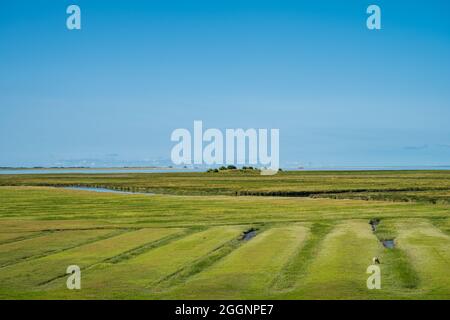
{"x":162,"y":170}
{"x":372,"y":168}
{"x":92,"y":170}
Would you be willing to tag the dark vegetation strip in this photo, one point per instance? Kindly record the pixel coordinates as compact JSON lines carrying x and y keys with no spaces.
{"x":442,"y":223}
{"x":34,"y":234}
{"x":196,"y":189}
{"x":51,"y":252}
{"x":130,"y":253}
{"x":297,"y":266}
{"x":334,"y":192}
{"x":149,"y":246}
{"x":393,"y":196}
{"x":398,"y":264}
{"x":202,"y":263}
{"x":383,"y":194}
{"x":90,"y":228}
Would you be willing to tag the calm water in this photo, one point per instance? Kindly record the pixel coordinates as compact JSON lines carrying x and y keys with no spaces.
{"x":390,"y":244}
{"x":373,"y":168}
{"x":105,"y":190}
{"x":249,"y":235}
{"x":94,"y":170}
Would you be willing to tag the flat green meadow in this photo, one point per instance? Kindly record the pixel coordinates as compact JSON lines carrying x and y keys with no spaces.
{"x":310,"y":236}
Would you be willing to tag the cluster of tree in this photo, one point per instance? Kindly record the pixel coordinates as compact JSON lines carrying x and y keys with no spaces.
{"x":231,"y":167}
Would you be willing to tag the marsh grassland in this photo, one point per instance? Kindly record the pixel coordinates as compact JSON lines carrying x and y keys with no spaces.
{"x":313,"y":239}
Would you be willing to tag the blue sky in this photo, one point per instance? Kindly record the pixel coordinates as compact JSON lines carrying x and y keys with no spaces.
{"x":340,"y":94}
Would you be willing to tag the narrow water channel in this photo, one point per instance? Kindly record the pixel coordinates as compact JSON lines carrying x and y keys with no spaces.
{"x":105,"y":190}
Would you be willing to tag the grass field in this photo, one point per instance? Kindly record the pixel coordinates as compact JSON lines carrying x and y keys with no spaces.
{"x":313,"y":238}
{"x":417,"y":186}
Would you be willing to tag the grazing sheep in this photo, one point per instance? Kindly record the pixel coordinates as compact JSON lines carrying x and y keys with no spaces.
{"x":375,"y":260}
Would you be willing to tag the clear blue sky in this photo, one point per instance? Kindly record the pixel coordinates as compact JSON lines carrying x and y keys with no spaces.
{"x":114,"y":91}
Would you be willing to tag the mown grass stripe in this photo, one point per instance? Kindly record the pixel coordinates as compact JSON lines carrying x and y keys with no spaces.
{"x":31,"y":273}
{"x":296,"y":267}
{"x":338,"y":270}
{"x":442,"y":223}
{"x":247,"y":271}
{"x":399,"y":270}
{"x":26,"y":237}
{"x":137,"y":273}
{"x":184,"y":273}
{"x":55,"y":251}
{"x":128,"y":254}
{"x":428,"y":249}
{"x":149,"y":246}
